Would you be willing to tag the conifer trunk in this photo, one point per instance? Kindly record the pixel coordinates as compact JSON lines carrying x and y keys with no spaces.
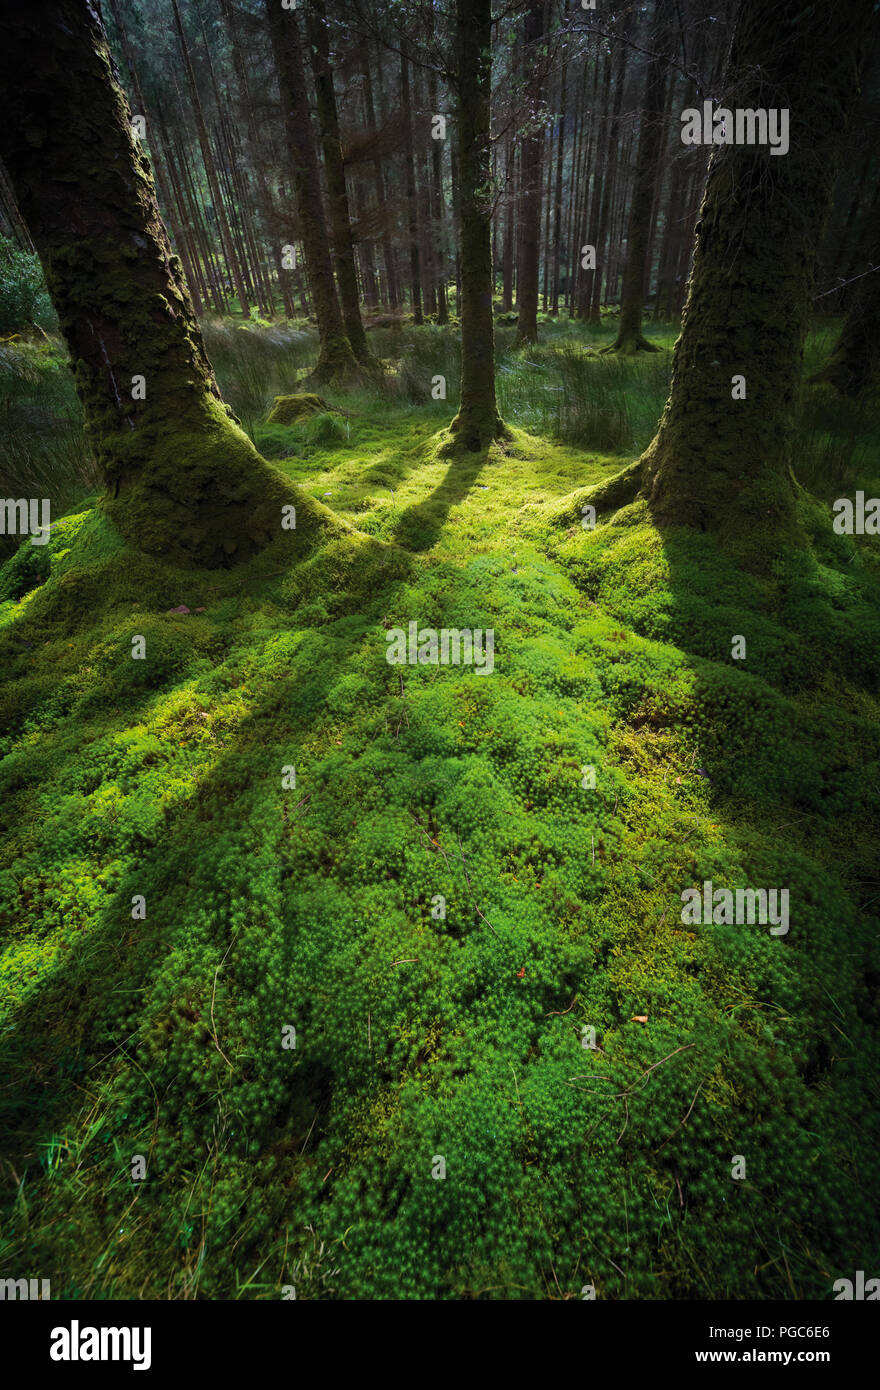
{"x":531,"y":148}
{"x":477,"y":423}
{"x":340,"y":217}
{"x":630,"y":338}
{"x":335,"y":356}
{"x":721,"y":463}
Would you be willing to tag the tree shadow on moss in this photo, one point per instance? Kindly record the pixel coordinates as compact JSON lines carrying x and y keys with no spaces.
{"x":421,"y":525}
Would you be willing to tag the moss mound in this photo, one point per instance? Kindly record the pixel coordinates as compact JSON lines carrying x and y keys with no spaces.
{"x":289,"y":410}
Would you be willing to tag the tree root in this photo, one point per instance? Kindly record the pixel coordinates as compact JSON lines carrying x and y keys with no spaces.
{"x":608,"y":496}
{"x":629,"y":346}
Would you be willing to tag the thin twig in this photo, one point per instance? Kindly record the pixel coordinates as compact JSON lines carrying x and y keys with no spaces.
{"x":559,"y":1013}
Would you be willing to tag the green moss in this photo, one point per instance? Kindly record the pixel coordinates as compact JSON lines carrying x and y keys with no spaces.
{"x":288,"y":410}
{"x":458,"y":1036}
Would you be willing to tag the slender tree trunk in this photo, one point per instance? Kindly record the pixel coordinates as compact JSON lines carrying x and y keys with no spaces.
{"x":415,"y":272}
{"x":335,"y":355}
{"x":632,"y":302}
{"x":573,"y":238}
{"x":477,"y":423}
{"x":509,"y":233}
{"x":391,"y":286}
{"x":599,"y":180}
{"x":340,"y":217}
{"x":165,"y":196}
{"x":210,"y":169}
{"x":183,"y":480}
{"x":531,"y":147}
{"x":610,"y":177}
{"x":557,"y":197}
{"x":716,"y":462}
{"x":440,"y":239}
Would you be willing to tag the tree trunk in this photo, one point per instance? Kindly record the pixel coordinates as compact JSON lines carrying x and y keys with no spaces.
{"x":340,"y":218}
{"x":391,"y":288}
{"x":210,"y":169}
{"x":557,"y":197}
{"x":477,"y":423}
{"x":442,"y":269}
{"x":335,"y":356}
{"x":509,"y":238}
{"x":717,"y":463}
{"x":629,"y":338}
{"x":184,"y":481}
{"x":531,"y":148}
{"x":610,"y":175}
{"x":415,"y":270}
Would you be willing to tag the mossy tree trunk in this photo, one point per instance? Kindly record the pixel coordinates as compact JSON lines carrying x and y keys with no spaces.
{"x":721,"y":463}
{"x":477,"y":423}
{"x":183,"y":479}
{"x":531,"y":148}
{"x":340,"y":217}
{"x":630,"y":338}
{"x":335,"y":356}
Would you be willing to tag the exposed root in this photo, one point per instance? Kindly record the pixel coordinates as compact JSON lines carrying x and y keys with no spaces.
{"x":606,"y":497}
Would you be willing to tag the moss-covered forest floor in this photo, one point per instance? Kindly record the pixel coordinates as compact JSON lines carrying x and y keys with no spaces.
{"x":420,"y":1038}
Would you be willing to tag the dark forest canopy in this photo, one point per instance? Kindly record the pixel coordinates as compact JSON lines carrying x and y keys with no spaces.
{"x":568,"y":98}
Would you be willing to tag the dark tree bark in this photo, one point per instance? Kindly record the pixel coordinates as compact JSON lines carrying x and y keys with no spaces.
{"x":477,"y":423}
{"x":335,"y":356}
{"x":531,"y":148}
{"x":340,"y":218}
{"x":183,"y":480}
{"x":718,"y":463}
